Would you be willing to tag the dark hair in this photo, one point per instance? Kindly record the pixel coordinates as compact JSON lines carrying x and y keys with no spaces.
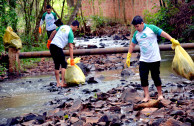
{"x":48,"y":7}
{"x":75,"y":23}
{"x":58,"y":22}
{"x":137,"y":20}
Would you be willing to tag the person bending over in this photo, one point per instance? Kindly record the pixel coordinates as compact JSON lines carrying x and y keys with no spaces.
{"x":59,"y":39}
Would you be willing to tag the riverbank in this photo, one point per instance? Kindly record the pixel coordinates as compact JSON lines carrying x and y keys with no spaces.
{"x":117,"y":106}
{"x":92,"y":104}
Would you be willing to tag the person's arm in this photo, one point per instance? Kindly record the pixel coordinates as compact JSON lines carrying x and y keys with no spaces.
{"x":71,"y":50}
{"x":131,"y":47}
{"x":165,"y":35}
{"x":52,"y":35}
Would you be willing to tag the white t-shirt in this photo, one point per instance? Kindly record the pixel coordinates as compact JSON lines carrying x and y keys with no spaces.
{"x":147,"y":40}
{"x":49,"y":19}
{"x":63,"y":36}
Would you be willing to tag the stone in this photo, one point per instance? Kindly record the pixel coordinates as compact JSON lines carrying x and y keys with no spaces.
{"x":148,"y":111}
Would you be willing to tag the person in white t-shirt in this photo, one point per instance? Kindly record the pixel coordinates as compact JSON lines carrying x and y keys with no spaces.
{"x":146,"y":36}
{"x":58,"y":40}
{"x":49,"y":17}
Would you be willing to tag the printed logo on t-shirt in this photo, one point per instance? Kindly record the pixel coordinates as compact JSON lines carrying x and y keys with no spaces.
{"x":144,"y":35}
{"x":63,"y":30}
{"x":49,"y":18}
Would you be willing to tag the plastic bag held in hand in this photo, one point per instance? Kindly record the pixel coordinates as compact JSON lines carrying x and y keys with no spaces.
{"x":39,"y":30}
{"x":128,"y":59}
{"x":48,"y":44}
{"x":174,"y":43}
{"x":72,"y":63}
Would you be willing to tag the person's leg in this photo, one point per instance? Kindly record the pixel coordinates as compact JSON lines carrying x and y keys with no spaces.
{"x":160,"y":96}
{"x":144,"y":71}
{"x":63,"y":68}
{"x":63,"y":77}
{"x":155,"y":73}
{"x":55,"y":55}
{"x":146,"y":94}
{"x":57,"y":78}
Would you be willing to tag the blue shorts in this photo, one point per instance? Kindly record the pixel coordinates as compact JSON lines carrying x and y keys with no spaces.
{"x":154,"y":68}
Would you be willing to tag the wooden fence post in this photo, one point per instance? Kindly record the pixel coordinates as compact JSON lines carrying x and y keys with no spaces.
{"x":14,"y":61}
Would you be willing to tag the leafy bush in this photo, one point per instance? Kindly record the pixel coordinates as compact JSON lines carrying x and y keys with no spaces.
{"x":175,"y":19}
{"x":97,"y":22}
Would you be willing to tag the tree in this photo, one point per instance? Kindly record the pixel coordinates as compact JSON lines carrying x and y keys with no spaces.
{"x":76,"y":9}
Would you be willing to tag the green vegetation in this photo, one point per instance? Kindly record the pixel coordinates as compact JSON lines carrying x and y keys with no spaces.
{"x":172,"y":18}
{"x":3,"y":69}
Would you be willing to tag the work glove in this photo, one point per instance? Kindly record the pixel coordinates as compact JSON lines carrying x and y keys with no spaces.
{"x":174,"y":43}
{"x":128,"y":59}
{"x":48,"y":43}
{"x":39,"y":30}
{"x":72,"y":63}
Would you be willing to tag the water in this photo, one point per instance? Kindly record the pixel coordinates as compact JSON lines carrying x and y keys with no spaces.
{"x":25,"y":95}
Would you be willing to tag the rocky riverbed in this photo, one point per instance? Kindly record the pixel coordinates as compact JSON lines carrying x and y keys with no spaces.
{"x":118,"y":106}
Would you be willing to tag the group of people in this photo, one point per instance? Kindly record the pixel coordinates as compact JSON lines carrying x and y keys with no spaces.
{"x":145,"y":36}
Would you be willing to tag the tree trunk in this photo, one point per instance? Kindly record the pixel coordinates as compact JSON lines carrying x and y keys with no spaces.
{"x":124,"y":14}
{"x":70,"y":3}
{"x":56,"y":13}
{"x":35,"y":32}
{"x":62,"y":10}
{"x":76,"y":9}
{"x":84,"y":23}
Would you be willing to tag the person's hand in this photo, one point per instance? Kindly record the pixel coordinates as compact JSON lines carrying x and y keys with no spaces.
{"x":39,"y":30}
{"x":48,"y":43}
{"x":174,"y":43}
{"x":128,"y":59}
{"x":72,"y":63}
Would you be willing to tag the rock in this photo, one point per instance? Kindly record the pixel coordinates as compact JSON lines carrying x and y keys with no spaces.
{"x":127,"y":72}
{"x":76,"y":105}
{"x":91,"y":80}
{"x":130,"y":95}
{"x":115,"y":109}
{"x":157,"y":122}
{"x":92,"y":119}
{"x":172,"y":122}
{"x":29,"y":117}
{"x":74,"y":119}
{"x":177,"y":112}
{"x":84,"y":68}
{"x":148,"y":111}
{"x":104,"y":118}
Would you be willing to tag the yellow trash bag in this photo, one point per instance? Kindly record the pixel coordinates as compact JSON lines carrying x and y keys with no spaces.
{"x":182,"y":63}
{"x":11,"y":39}
{"x":74,"y":74}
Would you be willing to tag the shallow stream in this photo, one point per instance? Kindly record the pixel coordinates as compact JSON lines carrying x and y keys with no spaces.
{"x":28,"y":95}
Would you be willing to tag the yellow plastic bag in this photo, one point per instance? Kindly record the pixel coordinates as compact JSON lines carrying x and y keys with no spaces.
{"x":74,"y":74}
{"x":182,"y":63}
{"x":11,"y":39}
